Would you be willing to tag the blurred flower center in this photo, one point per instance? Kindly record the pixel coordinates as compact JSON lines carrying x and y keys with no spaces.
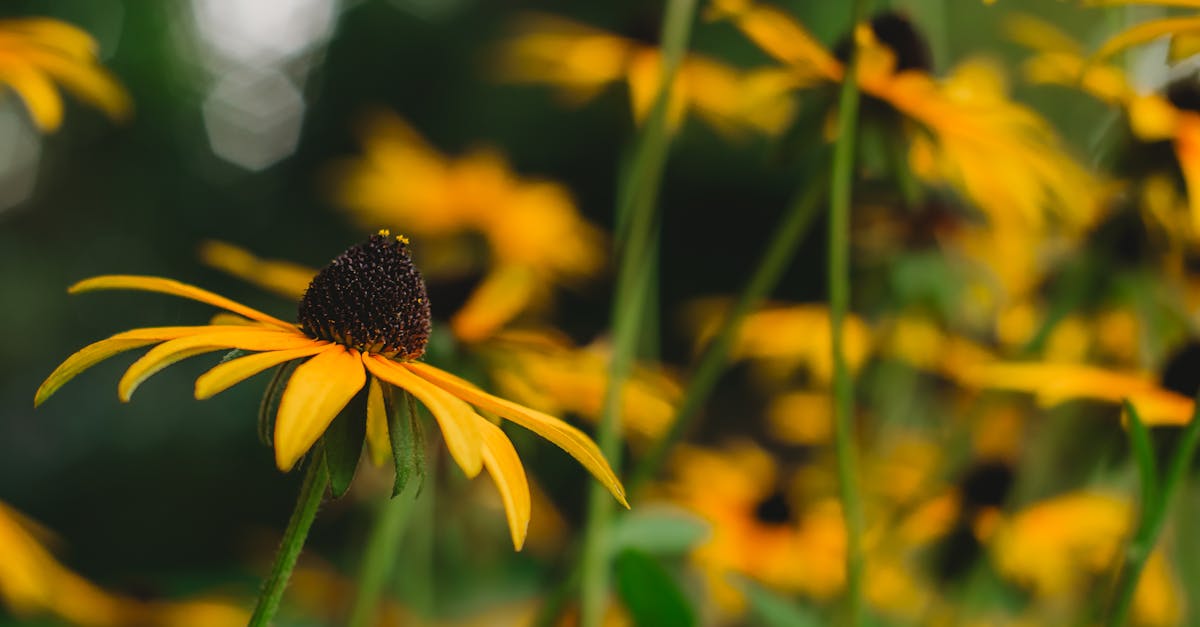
{"x":371,"y":298}
{"x":897,"y":33}
{"x":774,"y":510}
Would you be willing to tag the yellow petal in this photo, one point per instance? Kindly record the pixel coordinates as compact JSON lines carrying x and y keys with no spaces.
{"x":36,"y":91}
{"x":379,"y":444}
{"x":317,"y":391}
{"x":1183,"y":46}
{"x":568,"y":438}
{"x":505,"y":292}
{"x":282,"y":277}
{"x":52,"y":34}
{"x":455,"y":418}
{"x":1146,"y":32}
{"x":174,"y":288}
{"x":1187,"y":152}
{"x":172,"y":351}
{"x":234,"y":371}
{"x":504,"y":465}
{"x":88,"y":81}
{"x":97,"y":352}
{"x":1152,"y":117}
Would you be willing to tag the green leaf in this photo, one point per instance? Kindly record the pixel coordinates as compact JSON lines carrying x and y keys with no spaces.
{"x":1143,"y":454}
{"x":343,"y":447}
{"x":772,"y":610}
{"x":658,"y":530}
{"x":650,"y":593}
{"x":408,"y":441}
{"x":270,"y":401}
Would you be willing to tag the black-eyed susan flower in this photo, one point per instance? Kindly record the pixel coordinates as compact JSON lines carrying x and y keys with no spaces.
{"x":535,"y":237}
{"x":33,"y":583}
{"x":36,"y":53}
{"x":537,"y":366}
{"x":1059,"y":547}
{"x":363,"y":323}
{"x":582,"y":60}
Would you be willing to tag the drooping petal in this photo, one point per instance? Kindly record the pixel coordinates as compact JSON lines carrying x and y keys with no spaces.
{"x":1146,"y":32}
{"x":282,"y":277}
{"x":568,"y":438}
{"x":455,"y":418}
{"x":379,"y":444}
{"x":506,"y":470}
{"x":174,"y":288}
{"x":97,"y":352}
{"x":234,"y":371}
{"x":37,"y":92}
{"x":317,"y":391}
{"x":51,"y":34}
{"x":1187,"y":152}
{"x":89,"y":82}
{"x":172,"y":351}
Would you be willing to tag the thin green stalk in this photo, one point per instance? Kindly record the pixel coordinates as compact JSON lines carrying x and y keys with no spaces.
{"x":780,"y":250}
{"x":1153,"y":516}
{"x":379,"y":555}
{"x":840,"y":187}
{"x":312,"y":491}
{"x":637,"y":241}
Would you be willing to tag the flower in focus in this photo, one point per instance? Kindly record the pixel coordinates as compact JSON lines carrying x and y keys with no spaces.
{"x":32,"y":582}
{"x":363,"y":322}
{"x":538,"y":368}
{"x":535,"y":236}
{"x":581,"y":61}
{"x":36,"y":53}
{"x":1055,"y":547}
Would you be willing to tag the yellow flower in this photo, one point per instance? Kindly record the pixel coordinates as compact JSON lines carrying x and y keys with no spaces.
{"x":536,"y":238}
{"x":969,"y":135}
{"x":1054,"y":383}
{"x":540,"y":369}
{"x":1057,"y":545}
{"x":33,"y":582}
{"x":581,"y":61}
{"x":364,"y":316}
{"x":1184,"y":30}
{"x":36,"y":53}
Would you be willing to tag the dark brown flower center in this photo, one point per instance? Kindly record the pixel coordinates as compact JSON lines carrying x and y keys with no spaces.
{"x":898,"y":33}
{"x":774,"y":509}
{"x":371,"y":298}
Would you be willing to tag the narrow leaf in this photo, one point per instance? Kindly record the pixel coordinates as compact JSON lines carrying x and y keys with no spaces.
{"x":1143,"y":454}
{"x":404,"y":429}
{"x":650,"y":593}
{"x":772,"y":610}
{"x":269,"y":405}
{"x":343,"y":447}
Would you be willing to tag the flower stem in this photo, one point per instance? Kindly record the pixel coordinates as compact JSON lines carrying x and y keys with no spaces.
{"x":1153,"y":516}
{"x":312,"y":491}
{"x":637,"y":219}
{"x":379,"y":555}
{"x":780,"y":250}
{"x":840,"y":189}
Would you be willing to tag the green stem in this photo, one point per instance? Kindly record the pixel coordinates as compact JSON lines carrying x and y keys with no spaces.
{"x":379,"y":555}
{"x":780,"y":250}
{"x":311,"y":493}
{"x":1154,"y":515}
{"x":637,"y":218}
{"x":845,"y":448}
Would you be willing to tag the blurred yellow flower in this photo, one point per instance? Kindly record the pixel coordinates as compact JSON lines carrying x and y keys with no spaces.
{"x":1184,"y":30}
{"x":32,"y":582}
{"x":1057,"y":546}
{"x":535,"y":236}
{"x":997,"y":153}
{"x":37,"y":52}
{"x":783,"y":339}
{"x":581,"y":61}
{"x":364,"y":313}
{"x":1054,"y":383}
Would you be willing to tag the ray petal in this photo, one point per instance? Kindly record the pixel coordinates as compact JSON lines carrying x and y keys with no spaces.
{"x":172,"y":351}
{"x":37,"y":92}
{"x":455,"y":418}
{"x":1146,"y":32}
{"x":317,"y":391}
{"x":506,"y":470}
{"x":234,"y":371}
{"x":97,"y":352}
{"x":568,"y":438}
{"x":174,"y":288}
{"x":379,"y":444}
